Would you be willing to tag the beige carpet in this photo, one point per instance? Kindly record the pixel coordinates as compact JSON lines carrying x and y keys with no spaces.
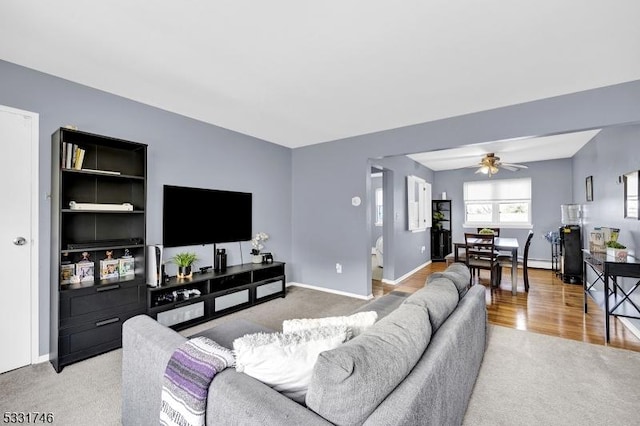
{"x":533,"y":379}
{"x":526,"y":378}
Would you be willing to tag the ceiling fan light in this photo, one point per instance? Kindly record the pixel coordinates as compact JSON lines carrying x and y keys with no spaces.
{"x":484,"y":169}
{"x":494,"y":170}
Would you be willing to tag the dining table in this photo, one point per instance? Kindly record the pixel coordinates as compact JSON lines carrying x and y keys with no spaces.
{"x":502,"y":244}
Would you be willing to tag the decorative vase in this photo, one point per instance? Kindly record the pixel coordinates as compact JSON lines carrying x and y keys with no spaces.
{"x":256,"y":258}
{"x":185,"y":272}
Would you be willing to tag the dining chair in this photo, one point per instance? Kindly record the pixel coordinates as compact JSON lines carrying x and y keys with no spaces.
{"x":507,"y":260}
{"x":480,"y":253}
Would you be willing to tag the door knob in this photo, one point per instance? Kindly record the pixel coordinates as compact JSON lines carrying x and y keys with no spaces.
{"x":19,"y":241}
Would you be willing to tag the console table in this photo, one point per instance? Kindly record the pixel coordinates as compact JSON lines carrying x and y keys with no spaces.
{"x":614,"y":298}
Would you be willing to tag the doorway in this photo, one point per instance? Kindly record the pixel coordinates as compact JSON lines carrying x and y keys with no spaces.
{"x":382,"y":220}
{"x":19,"y":319}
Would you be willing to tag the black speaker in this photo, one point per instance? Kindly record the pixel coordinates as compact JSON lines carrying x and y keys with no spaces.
{"x":220,"y":261}
{"x":571,"y":253}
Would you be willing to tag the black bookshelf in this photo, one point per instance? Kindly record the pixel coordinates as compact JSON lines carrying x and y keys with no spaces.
{"x":440,"y":230}
{"x":87,"y":314}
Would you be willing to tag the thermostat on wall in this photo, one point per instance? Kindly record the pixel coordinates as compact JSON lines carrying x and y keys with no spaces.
{"x":355,"y":201}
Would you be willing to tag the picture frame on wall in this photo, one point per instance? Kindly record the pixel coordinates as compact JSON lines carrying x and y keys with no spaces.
{"x":589,"y":188}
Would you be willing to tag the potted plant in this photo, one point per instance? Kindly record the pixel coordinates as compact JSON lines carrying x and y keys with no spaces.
{"x":487,"y":231}
{"x":257,"y":245}
{"x":437,"y":217}
{"x":184,"y":261}
{"x":617,"y":250}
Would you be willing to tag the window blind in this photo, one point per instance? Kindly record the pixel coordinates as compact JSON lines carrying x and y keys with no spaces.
{"x":498,"y":190}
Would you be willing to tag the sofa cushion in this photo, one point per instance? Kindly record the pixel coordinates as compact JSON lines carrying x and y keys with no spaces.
{"x":439,"y":297}
{"x":357,"y":322}
{"x":285,"y":361}
{"x":349,"y":382}
{"x":458,"y":273}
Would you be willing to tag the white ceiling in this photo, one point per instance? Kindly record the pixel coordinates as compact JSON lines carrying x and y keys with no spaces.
{"x":297,"y":72}
{"x":524,"y":151}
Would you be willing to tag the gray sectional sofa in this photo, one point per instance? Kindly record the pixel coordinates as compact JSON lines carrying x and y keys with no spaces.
{"x":416,"y":365}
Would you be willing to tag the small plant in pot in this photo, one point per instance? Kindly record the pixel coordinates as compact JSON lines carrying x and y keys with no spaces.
{"x":184,"y":261}
{"x":437,"y":217}
{"x":617,"y":250}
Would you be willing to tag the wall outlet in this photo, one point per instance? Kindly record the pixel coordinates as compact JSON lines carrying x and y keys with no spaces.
{"x":422,"y":249}
{"x":338,"y":268}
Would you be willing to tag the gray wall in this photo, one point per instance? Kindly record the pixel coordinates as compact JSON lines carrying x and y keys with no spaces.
{"x":327,"y":229}
{"x":402,"y":248}
{"x":613,"y":152}
{"x":551,"y":186}
{"x":181,"y":151}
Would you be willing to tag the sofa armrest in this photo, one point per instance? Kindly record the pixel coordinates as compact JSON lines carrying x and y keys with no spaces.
{"x":147,"y":347}
{"x":238,"y":399}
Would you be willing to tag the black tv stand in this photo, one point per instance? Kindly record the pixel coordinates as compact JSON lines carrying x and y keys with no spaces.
{"x":181,"y":303}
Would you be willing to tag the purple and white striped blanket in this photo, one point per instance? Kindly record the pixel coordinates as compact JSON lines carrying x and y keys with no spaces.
{"x":187,"y":378}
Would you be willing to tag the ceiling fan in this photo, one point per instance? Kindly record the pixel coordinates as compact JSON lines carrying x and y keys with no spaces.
{"x":490,"y":165}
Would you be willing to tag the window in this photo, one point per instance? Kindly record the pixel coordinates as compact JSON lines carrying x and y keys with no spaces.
{"x":502,"y":202}
{"x":379,"y":206}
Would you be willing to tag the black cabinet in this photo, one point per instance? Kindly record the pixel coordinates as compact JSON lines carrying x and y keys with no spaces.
{"x":571,"y":254}
{"x":98,"y":201}
{"x":181,"y":303}
{"x":440,"y":229}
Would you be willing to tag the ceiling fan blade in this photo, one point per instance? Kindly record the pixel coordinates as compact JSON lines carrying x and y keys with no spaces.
{"x":518,"y":166}
{"x":513,"y":169}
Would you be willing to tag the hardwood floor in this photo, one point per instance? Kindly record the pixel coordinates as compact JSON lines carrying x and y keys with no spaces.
{"x":550,"y":307}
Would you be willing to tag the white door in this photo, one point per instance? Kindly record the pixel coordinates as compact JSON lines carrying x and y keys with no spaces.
{"x":17,"y":132}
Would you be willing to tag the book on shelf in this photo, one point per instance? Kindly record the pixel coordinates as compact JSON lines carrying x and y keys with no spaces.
{"x":72,"y":156}
{"x":64,"y":155}
{"x":69,"y":155}
{"x":79,"y":159}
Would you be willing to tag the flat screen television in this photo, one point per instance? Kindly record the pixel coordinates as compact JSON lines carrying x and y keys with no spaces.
{"x":193,"y":216}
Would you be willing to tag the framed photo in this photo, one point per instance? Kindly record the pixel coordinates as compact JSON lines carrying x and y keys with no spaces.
{"x":109,"y":269}
{"x":589,"y":188}
{"x":126,"y":266}
{"x":84,"y":271}
{"x":66,"y":272}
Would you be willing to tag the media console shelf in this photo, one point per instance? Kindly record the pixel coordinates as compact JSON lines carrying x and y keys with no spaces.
{"x":181,"y":303}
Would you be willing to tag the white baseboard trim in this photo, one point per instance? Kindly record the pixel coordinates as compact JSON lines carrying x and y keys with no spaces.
{"x":407,"y":275}
{"x":328,"y":290}
{"x":41,"y":359}
{"x":540,"y":264}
